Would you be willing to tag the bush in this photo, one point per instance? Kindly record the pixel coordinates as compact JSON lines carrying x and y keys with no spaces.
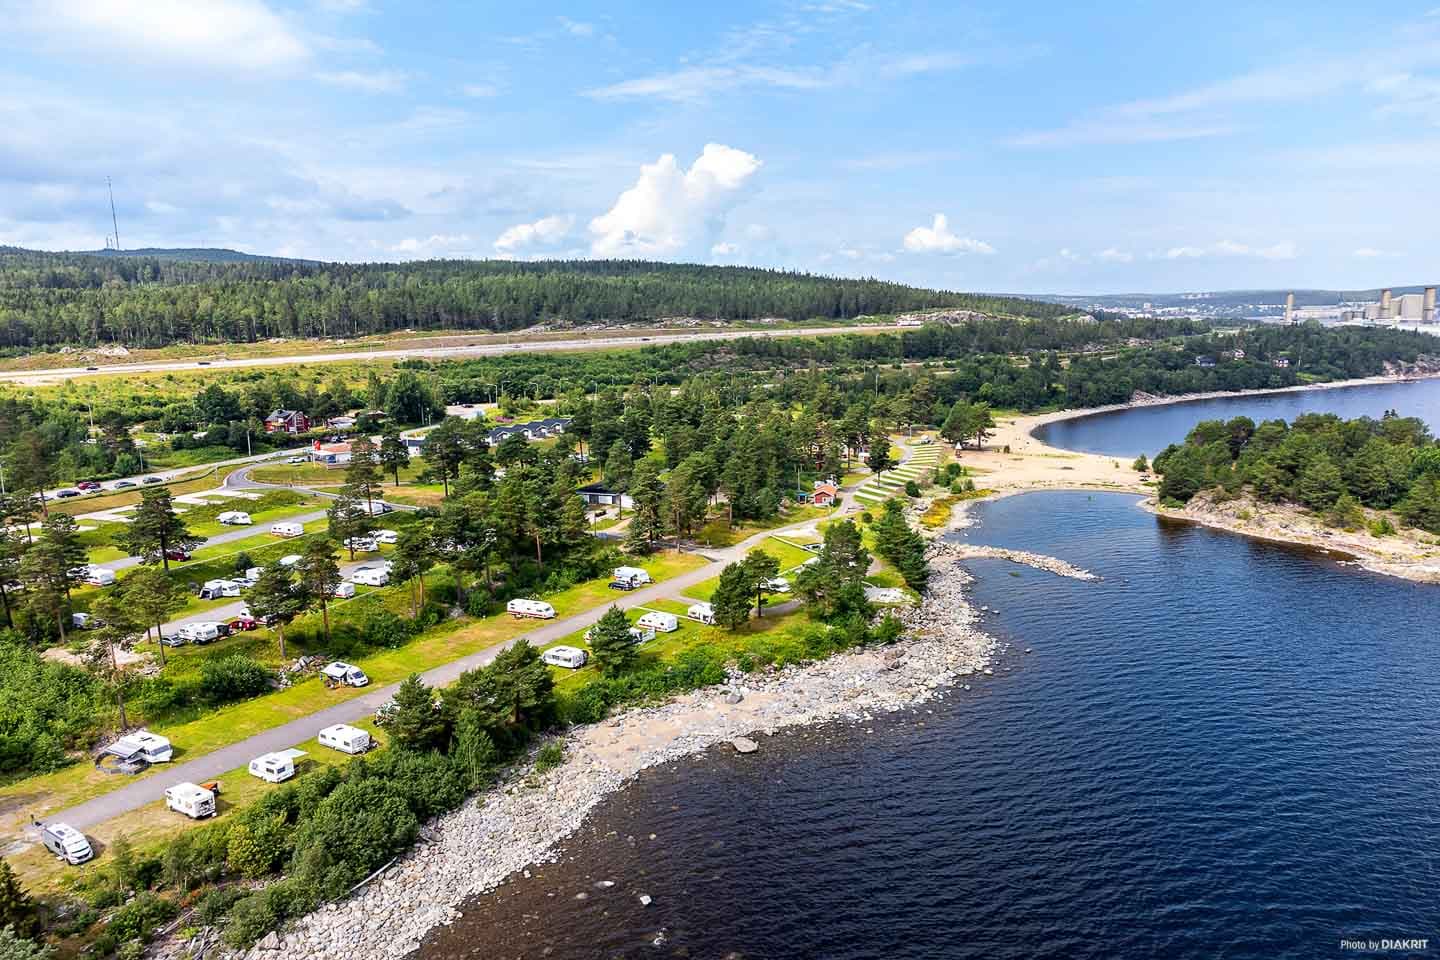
{"x":254,"y":850}
{"x":232,"y":678}
{"x":215,"y":905}
{"x":243,"y":562}
{"x":140,"y":918}
{"x":550,"y":756}
{"x":1382,"y":527}
{"x":912,"y":489}
{"x":250,"y":919}
{"x":381,"y":628}
{"x":477,"y":602}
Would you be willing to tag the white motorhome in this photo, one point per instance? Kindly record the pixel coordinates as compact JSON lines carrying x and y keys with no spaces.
{"x":659,"y":622}
{"x":343,"y":590}
{"x":67,"y":843}
{"x":572,"y":658}
{"x":346,"y":673}
{"x":345,"y":738}
{"x":702,"y":612}
{"x":287,"y":529}
{"x":99,"y":576}
{"x":538,"y":609}
{"x":632,"y":574}
{"x":777,"y":584}
{"x":194,"y":801}
{"x":370,"y":576}
{"x":374,"y":508}
{"x":637,"y":634}
{"x":234,"y":518}
{"x":275,"y":767}
{"x":142,"y":745}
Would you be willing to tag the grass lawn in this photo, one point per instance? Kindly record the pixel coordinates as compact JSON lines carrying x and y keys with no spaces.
{"x":207,"y":478}
{"x":789,"y":555}
{"x":717,"y":533}
{"x":272,"y":506}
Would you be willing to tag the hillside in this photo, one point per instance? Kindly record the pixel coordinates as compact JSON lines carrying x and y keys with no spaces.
{"x":193,"y":254}
{"x":139,"y":300}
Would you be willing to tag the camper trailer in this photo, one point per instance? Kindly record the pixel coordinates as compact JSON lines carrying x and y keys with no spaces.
{"x":572,"y":658}
{"x":634,"y":575}
{"x":67,"y":843}
{"x":204,"y":631}
{"x":215,"y":589}
{"x":538,"y":609}
{"x":343,"y":590}
{"x":345,"y":738}
{"x":234,"y":518}
{"x":370,"y":576}
{"x":99,"y":576}
{"x":290,"y":559}
{"x":194,"y":801}
{"x":637,"y":634}
{"x":287,"y":529}
{"x":141,"y":746}
{"x":702,"y":612}
{"x":659,"y":622}
{"x":345,"y":673}
{"x":275,"y":767}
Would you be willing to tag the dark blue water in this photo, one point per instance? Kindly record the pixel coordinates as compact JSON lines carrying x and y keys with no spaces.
{"x":1148,"y":430}
{"x":1224,"y":749}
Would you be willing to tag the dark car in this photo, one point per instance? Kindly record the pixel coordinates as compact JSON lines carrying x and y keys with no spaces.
{"x":124,"y":484}
{"x":149,"y":480}
{"x":66,"y":493}
{"x":204,"y":363}
{"x":180,"y":555}
{"x":92,"y":368}
{"x":623,"y":584}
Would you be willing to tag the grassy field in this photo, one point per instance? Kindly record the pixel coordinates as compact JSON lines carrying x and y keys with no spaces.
{"x":203,"y":478}
{"x":718,"y":533}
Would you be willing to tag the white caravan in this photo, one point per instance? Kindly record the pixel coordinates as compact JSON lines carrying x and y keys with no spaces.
{"x":67,"y":843}
{"x":234,"y":518}
{"x":275,"y":767}
{"x":287,"y":529}
{"x":345,"y":738}
{"x":343,"y":591}
{"x":633,"y":574}
{"x":215,"y":589}
{"x":290,"y":559}
{"x":202,"y":632}
{"x":99,"y":576}
{"x":346,"y":673}
{"x":142,"y":745}
{"x":194,"y":801}
{"x":538,"y":609}
{"x":659,"y":622}
{"x":572,"y":658}
{"x":386,"y":536}
{"x":702,"y":612}
{"x":370,"y":576}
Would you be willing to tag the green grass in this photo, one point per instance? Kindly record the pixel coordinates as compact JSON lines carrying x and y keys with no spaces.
{"x":789,"y":555}
{"x":717,"y":533}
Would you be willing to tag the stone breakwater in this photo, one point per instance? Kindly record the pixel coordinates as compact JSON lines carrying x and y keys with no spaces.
{"x":970,"y":551}
{"x":473,"y":850}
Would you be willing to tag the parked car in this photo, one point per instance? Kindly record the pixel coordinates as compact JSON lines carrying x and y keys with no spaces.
{"x":295,"y":460}
{"x":386,"y":536}
{"x":67,"y":493}
{"x":624,"y":585}
{"x":174,"y":640}
{"x":176,"y":554}
{"x":151,"y":480}
{"x":123,"y":484}
{"x":87,"y":485}
{"x":245,"y":622}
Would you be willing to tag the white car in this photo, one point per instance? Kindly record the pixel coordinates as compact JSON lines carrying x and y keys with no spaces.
{"x":295,"y":460}
{"x":389,"y":537}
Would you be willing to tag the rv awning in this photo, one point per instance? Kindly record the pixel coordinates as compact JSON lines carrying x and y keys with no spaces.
{"x":291,"y":754}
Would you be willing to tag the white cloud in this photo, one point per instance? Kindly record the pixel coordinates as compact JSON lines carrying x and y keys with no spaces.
{"x":480,"y":90}
{"x":161,"y":207}
{"x":378,"y":81}
{"x":435,"y":245}
{"x":724,"y":249}
{"x":1112,"y":255}
{"x":669,"y":209}
{"x":1120,"y":130}
{"x":236,"y":34}
{"x":1070,"y":256}
{"x":545,"y":232}
{"x":576,"y":28}
{"x":939,"y":238}
{"x":1285,"y":250}
{"x":1370,"y":253}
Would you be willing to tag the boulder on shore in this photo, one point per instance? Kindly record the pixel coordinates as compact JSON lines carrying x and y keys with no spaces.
{"x":744,"y":745}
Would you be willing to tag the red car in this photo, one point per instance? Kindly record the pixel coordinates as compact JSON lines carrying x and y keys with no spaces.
{"x":245,"y":622}
{"x":180,"y":555}
{"x":87,"y":485}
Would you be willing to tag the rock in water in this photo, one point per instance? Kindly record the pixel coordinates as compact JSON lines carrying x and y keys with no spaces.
{"x":744,"y":745}
{"x":645,"y":900}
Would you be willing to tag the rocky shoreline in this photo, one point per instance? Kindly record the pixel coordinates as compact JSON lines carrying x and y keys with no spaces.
{"x":522,"y":822}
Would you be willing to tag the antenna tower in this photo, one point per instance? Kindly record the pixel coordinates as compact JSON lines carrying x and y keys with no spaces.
{"x":113,"y":222}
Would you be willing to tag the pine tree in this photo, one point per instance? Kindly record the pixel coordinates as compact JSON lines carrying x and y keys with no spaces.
{"x":414,"y":721}
{"x":17,"y":910}
{"x":156,"y":530}
{"x":730,"y":602}
{"x":473,"y":753}
{"x":878,"y":459}
{"x":319,"y":577}
{"x":154,"y":597}
{"x":394,"y":454}
{"x":414,"y":554}
{"x":647,"y":494}
{"x":275,"y":599}
{"x":759,"y":568}
{"x":362,"y":473}
{"x":347,"y":521}
{"x":612,"y":644}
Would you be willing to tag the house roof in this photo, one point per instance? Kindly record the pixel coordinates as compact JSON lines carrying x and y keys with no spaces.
{"x":827,"y":488}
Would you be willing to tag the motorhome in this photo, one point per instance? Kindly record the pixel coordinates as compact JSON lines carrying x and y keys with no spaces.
{"x":275,"y":767}
{"x":370,"y":576}
{"x":343,"y":590}
{"x":67,"y":843}
{"x":776,"y":584}
{"x":572,"y":658}
{"x":99,"y":576}
{"x":659,"y":622}
{"x":637,"y":634}
{"x":204,"y":631}
{"x":345,"y":673}
{"x":194,"y":801}
{"x":374,"y":508}
{"x":702,"y":612}
{"x":538,"y":609}
{"x":345,"y":738}
{"x":234,"y":518}
{"x":142,"y":746}
{"x":215,"y":589}
{"x":633,"y":574}
{"x":83,"y":621}
{"x":287,"y":529}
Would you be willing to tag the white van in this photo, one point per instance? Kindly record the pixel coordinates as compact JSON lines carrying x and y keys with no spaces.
{"x":632,"y":574}
{"x":776,"y":584}
{"x":538,"y":609}
{"x":67,"y":843}
{"x":275,"y":767}
{"x":99,"y":576}
{"x":234,"y":518}
{"x":702,"y":612}
{"x":345,"y":738}
{"x":202,"y":632}
{"x":194,"y":801}
{"x":287,"y":529}
{"x":370,"y":576}
{"x":343,"y":591}
{"x":572,"y":658}
{"x":660,"y":622}
{"x":346,"y":673}
{"x":142,"y":745}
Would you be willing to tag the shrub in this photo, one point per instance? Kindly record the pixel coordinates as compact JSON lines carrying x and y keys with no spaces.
{"x":250,"y":919}
{"x":236,"y":677}
{"x":867,"y":517}
{"x":1141,"y":465}
{"x":243,"y":562}
{"x":215,"y":905}
{"x":1382,"y":527}
{"x":550,"y":756}
{"x":912,"y":489}
{"x":381,"y":628}
{"x":140,"y":918}
{"x":253,"y":850}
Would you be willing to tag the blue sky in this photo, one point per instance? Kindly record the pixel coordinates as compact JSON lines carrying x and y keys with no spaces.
{"x":1038,"y":147}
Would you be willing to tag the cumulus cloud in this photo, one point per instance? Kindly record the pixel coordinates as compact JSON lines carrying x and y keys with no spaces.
{"x":236,"y":34}
{"x":724,"y":249}
{"x":435,"y":245}
{"x":1285,"y":250}
{"x":670,"y":209}
{"x":1370,"y":253}
{"x":378,"y":81}
{"x":545,"y":232}
{"x":480,"y":90}
{"x":1112,"y":255}
{"x":939,"y":238}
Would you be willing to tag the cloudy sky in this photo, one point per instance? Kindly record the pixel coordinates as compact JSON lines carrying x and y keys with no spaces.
{"x":1042,"y":147}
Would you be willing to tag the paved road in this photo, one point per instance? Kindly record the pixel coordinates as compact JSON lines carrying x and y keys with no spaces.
{"x":151,"y":789}
{"x":229,"y":536}
{"x":60,"y":374}
{"x":175,"y":474}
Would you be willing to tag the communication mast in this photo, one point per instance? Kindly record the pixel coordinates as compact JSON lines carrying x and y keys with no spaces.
{"x":113,"y":222}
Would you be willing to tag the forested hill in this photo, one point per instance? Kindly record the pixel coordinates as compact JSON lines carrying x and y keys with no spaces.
{"x":49,"y":299}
